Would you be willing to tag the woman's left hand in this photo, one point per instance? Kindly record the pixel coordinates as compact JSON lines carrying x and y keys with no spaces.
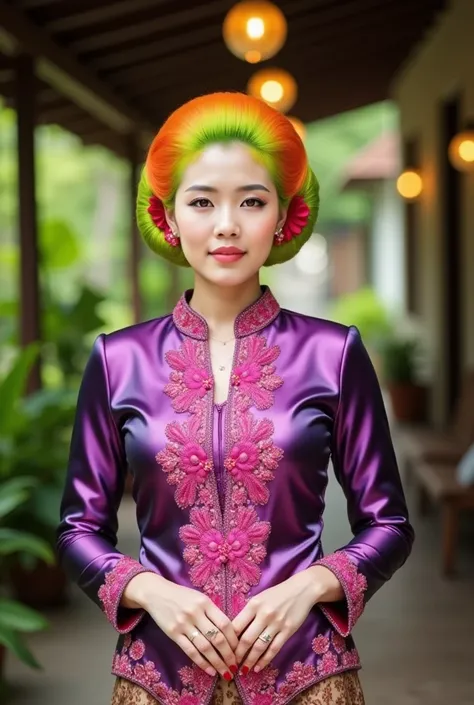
{"x":280,"y":611}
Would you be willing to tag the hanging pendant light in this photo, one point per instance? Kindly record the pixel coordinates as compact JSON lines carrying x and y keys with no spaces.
{"x":410,"y":184}
{"x":461,"y":150}
{"x":254,"y":30}
{"x":276,"y":87}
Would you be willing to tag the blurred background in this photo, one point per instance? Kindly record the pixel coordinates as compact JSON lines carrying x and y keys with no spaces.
{"x":382,"y":92}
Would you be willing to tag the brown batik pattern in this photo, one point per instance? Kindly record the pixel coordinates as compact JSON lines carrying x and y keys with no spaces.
{"x":341,"y":689}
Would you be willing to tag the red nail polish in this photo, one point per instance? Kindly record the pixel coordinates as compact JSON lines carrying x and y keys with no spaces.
{"x":245,"y":670}
{"x":228,"y":676}
{"x":234,"y":668}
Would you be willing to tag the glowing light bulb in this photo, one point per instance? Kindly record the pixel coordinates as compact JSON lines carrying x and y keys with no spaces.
{"x":466,"y":150}
{"x":409,"y":184}
{"x":272,"y":91}
{"x":255,"y":27}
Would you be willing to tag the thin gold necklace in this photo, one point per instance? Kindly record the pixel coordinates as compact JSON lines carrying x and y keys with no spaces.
{"x":223,"y":342}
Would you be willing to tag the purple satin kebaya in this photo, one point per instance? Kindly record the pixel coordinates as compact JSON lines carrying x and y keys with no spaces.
{"x":230,"y":498}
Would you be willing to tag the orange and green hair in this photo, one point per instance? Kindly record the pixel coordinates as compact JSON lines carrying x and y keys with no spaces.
{"x":222,"y":118}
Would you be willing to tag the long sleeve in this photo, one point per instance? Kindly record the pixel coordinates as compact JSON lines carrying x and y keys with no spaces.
{"x":87,"y":534}
{"x":366,"y":468}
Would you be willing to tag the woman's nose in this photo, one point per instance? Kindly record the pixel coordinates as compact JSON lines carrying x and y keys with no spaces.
{"x":226,"y":224}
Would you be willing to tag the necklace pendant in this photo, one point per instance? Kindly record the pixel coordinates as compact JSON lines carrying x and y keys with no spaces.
{"x":221,"y":368}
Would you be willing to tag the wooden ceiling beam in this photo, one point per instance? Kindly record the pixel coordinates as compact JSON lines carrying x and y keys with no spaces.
{"x":298,"y":30}
{"x":168,"y":73}
{"x":60,"y":69}
{"x":116,"y":59}
{"x":96,"y":15}
{"x":177,"y":42}
{"x":139,"y":30}
{"x":337,"y":77}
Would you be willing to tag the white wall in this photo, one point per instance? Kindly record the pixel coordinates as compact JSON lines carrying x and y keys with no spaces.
{"x":442,"y":66}
{"x":387,"y":245}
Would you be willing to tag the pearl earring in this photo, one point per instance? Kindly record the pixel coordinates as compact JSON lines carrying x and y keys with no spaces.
{"x":279,"y":235}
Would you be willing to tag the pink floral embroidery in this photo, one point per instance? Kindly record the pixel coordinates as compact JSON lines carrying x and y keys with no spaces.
{"x":253,"y":458}
{"x":110,"y":593}
{"x":157,"y":213}
{"x":185,"y":460}
{"x":208,"y":549}
{"x":350,"y":659}
{"x":250,"y":321}
{"x":196,"y":681}
{"x":328,"y":664}
{"x":258,"y":316}
{"x":190,"y":381}
{"x":254,"y":376}
{"x":320,"y":644}
{"x":137,"y":650}
{"x":354,"y":585}
{"x":188,"y":321}
{"x":296,"y":219}
{"x":338,"y":642}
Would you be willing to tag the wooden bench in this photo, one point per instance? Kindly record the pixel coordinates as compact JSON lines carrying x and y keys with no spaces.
{"x":445,"y":447}
{"x":437,"y":482}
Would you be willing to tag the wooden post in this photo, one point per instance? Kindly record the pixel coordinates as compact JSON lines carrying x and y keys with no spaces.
{"x":135,"y":240}
{"x":25,"y":99}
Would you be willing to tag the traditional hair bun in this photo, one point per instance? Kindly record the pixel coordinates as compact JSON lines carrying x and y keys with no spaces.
{"x":224,"y":117}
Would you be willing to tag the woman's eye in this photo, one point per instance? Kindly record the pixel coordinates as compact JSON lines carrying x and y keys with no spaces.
{"x":201,"y":203}
{"x":254,"y":202}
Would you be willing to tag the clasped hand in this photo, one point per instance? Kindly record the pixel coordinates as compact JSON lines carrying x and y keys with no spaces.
{"x":211,"y":639}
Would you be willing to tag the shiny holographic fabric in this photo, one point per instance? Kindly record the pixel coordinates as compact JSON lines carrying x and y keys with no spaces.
{"x":230,"y":498}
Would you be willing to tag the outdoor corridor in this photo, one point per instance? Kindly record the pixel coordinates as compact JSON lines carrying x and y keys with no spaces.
{"x":415,"y":637}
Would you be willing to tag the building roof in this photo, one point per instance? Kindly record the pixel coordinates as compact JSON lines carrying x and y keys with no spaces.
{"x":379,"y":160}
{"x":109,"y":69}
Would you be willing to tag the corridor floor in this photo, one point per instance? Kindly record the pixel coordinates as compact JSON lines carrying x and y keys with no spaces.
{"x":416,"y":637}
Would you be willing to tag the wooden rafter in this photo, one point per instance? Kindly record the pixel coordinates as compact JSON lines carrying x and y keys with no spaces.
{"x":59,"y":68}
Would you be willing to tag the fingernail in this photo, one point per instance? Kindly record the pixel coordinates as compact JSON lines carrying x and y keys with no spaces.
{"x":245,"y":670}
{"x":257,"y":669}
{"x":234,"y":668}
{"x":228,"y":676}
{"x":210,"y":672}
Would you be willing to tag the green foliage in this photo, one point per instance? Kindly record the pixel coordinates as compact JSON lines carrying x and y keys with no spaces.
{"x":363,"y":309}
{"x":14,"y":617}
{"x":400,"y":360}
{"x":330,"y":144}
{"x":58,"y":244}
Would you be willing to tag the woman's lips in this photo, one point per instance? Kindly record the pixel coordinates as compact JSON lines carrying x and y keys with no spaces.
{"x":227,"y":254}
{"x":232,"y":257}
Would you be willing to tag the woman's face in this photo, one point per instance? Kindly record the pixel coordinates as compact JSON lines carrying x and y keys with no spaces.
{"x":226,"y":212}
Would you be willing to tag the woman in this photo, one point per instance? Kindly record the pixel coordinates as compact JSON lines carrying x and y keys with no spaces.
{"x":227,"y":413}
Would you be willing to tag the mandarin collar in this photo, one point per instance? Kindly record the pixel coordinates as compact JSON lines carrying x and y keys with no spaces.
{"x":251,"y":320}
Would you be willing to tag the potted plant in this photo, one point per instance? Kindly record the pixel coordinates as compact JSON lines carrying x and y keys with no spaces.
{"x":400,"y":363}
{"x":15,"y":618}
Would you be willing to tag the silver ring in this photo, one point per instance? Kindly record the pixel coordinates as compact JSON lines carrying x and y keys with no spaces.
{"x":211,"y":633}
{"x":266,"y":637}
{"x":193,"y":635}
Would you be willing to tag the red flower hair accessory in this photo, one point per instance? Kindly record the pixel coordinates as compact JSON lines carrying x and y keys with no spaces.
{"x":157,"y":213}
{"x":296,"y":220}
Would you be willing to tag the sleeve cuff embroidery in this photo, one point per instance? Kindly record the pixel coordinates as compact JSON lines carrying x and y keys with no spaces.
{"x":354,"y":585}
{"x":110,"y":594}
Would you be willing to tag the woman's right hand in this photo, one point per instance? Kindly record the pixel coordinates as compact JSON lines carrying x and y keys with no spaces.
{"x":179,"y":611}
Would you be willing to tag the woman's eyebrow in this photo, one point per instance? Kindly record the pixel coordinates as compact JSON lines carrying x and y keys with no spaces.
{"x":211,"y":189}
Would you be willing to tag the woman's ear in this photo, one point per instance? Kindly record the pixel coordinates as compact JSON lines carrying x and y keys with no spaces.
{"x":170,"y":219}
{"x":282,"y":217}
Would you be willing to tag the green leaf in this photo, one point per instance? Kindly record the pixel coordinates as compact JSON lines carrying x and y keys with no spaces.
{"x":59,"y":244}
{"x":13,"y":541}
{"x":14,"y":492}
{"x":14,"y":615}
{"x":16,"y":645}
{"x":12,"y":386}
